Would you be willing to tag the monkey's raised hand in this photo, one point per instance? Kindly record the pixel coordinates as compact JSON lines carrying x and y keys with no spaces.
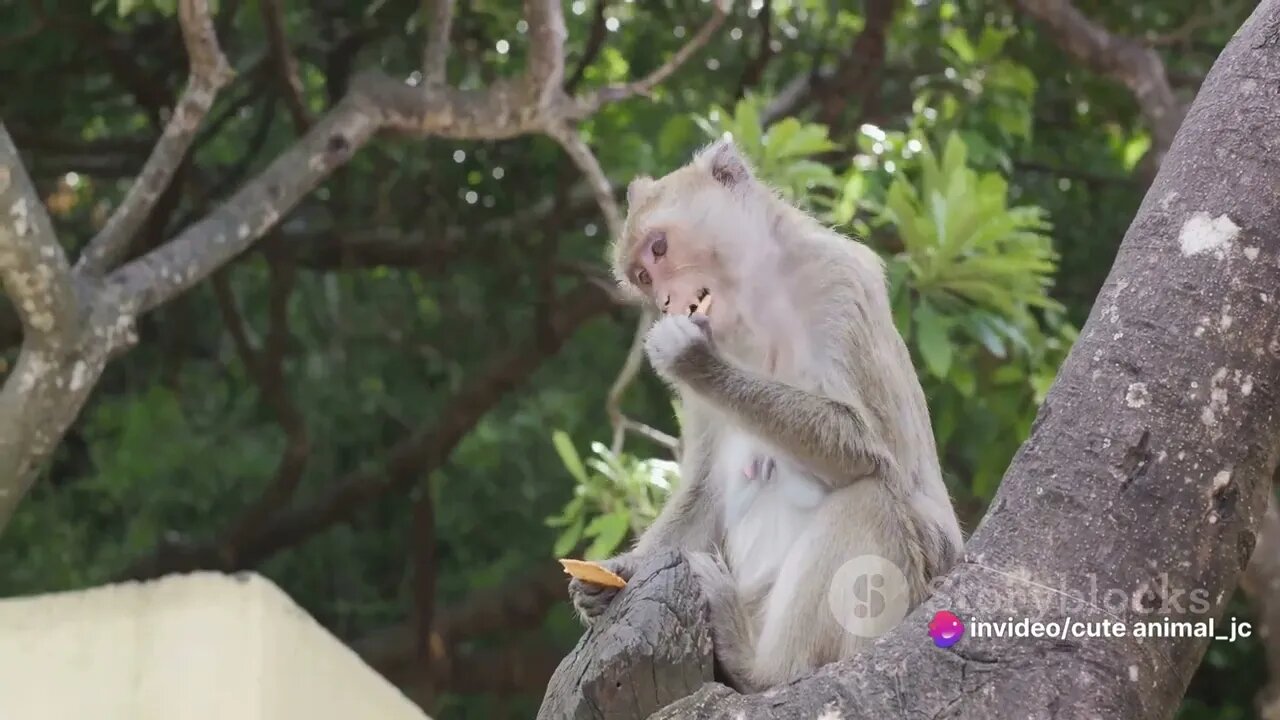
{"x":673,"y":337}
{"x":591,"y":600}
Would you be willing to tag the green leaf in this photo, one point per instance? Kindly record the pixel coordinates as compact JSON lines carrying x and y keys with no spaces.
{"x":1134,"y":150}
{"x":568,"y":539}
{"x":569,"y":455}
{"x":746,"y":125}
{"x":963,"y":379}
{"x":608,"y":531}
{"x":932,"y":341}
{"x":981,"y":331}
{"x":992,"y":41}
{"x":959,"y":43}
{"x":676,"y":134}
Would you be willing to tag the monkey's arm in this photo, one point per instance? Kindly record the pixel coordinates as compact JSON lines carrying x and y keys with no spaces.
{"x":835,"y":439}
{"x":688,"y":521}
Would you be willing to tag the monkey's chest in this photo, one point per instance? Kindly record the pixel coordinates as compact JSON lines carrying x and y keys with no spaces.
{"x":769,"y":503}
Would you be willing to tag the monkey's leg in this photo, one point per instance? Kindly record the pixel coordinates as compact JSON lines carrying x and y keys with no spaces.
{"x":800,"y":630}
{"x":731,"y":621}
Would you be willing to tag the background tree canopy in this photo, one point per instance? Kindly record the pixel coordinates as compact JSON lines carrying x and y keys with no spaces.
{"x":396,"y":404}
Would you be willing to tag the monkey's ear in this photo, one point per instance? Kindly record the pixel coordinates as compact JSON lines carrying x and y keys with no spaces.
{"x":726,"y":163}
{"x":638,"y":188}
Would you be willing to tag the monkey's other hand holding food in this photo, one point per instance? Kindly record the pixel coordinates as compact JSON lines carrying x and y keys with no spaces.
{"x":671,"y":338}
{"x":591,"y":600}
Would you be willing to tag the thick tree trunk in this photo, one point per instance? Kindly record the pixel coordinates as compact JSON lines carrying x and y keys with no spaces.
{"x":1139,"y":492}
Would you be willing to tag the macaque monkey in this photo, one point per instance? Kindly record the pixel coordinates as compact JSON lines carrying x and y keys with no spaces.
{"x":806,"y":440}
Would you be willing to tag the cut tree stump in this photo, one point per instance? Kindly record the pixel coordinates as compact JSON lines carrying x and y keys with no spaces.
{"x":651,"y":648}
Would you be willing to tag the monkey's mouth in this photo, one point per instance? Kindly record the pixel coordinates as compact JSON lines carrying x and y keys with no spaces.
{"x":701,"y":306}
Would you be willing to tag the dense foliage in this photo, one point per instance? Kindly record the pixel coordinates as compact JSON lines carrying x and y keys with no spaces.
{"x":993,"y":175}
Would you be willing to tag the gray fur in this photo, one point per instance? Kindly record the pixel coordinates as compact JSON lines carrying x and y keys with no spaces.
{"x":810,"y":373}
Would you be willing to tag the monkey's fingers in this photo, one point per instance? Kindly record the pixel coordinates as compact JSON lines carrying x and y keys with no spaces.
{"x":582,"y":587}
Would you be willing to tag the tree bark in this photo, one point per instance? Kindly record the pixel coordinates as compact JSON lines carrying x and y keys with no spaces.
{"x":74,"y":320}
{"x":651,"y":647}
{"x":1139,"y":492}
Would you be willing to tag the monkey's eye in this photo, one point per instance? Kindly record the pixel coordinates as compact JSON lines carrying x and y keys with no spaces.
{"x":659,"y":246}
{"x":643,"y":277}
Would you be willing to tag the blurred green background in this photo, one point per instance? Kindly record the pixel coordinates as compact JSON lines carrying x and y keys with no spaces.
{"x":388,"y":343}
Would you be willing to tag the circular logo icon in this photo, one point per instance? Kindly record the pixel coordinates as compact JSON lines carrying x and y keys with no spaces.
{"x":869,"y":596}
{"x":945,"y":628}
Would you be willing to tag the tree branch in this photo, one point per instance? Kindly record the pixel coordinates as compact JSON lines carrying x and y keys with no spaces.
{"x":595,"y":43}
{"x":546,"y":51}
{"x":435,"y":53}
{"x":423,"y":573}
{"x":286,"y":64}
{"x":859,"y":75}
{"x":1124,"y":59}
{"x":416,"y":455}
{"x":855,"y":76}
{"x":517,"y":605}
{"x":266,"y":368}
{"x":33,"y":266}
{"x":209,"y":73}
{"x":753,"y":71}
{"x":37,"y":279}
{"x":593,"y":101}
{"x":627,"y":375}
{"x":533,"y":103}
{"x":616,"y":671}
{"x":206,"y":245}
{"x":586,"y":161}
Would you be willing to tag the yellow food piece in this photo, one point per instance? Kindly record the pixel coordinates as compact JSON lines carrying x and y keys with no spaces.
{"x":592,"y":572}
{"x":704,"y":305}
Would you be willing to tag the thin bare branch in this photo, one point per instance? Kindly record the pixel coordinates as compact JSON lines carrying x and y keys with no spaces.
{"x":417,"y":454}
{"x":423,"y":569}
{"x":435,"y":54}
{"x":653,"y":434}
{"x":586,"y":161}
{"x":1188,"y":30}
{"x":209,"y":73}
{"x":595,"y":43}
{"x":285,"y":63}
{"x":593,"y":101}
{"x":852,"y":80}
{"x":626,"y":375}
{"x":547,"y":34}
{"x":753,"y":73}
{"x":266,"y":367}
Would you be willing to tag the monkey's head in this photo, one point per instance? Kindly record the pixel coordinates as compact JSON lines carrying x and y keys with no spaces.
{"x":699,"y":229}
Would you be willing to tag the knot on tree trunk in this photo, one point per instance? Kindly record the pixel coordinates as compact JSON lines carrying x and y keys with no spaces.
{"x":651,"y":648}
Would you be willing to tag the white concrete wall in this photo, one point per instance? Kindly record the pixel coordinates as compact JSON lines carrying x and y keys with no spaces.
{"x":205,"y":646}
